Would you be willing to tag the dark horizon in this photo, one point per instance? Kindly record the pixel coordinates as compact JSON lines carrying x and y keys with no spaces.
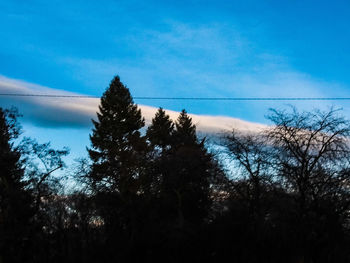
{"x":161,"y":195}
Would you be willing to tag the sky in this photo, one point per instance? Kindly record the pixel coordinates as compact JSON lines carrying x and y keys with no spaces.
{"x":249,"y":48}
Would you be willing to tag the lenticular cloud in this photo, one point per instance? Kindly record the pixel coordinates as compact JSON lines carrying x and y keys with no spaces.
{"x":78,"y":112}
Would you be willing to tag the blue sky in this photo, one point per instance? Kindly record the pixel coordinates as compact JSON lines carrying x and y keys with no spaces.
{"x":248,"y":48}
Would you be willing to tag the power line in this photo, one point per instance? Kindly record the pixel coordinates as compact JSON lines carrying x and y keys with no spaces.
{"x":236,"y":99}
{"x":186,"y":98}
{"x":47,"y":95}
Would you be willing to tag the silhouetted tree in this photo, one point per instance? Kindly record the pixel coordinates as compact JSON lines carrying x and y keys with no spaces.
{"x":311,"y":155}
{"x":41,"y":162}
{"x":188,"y":170}
{"x":117,"y":145}
{"x":185,"y":132}
{"x":251,"y":153}
{"x":159,"y":133}
{"x":253,"y":198}
{"x":15,"y":200}
{"x":296,"y":188}
{"x":159,"y":194}
{"x":118,"y":157}
{"x":159,"y":136}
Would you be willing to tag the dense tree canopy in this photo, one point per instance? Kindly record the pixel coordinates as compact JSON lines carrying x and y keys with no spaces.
{"x":160,"y":193}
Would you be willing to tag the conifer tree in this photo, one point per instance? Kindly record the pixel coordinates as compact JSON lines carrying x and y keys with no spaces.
{"x":159,"y":136}
{"x":11,"y":171}
{"x":118,"y":156}
{"x":159,"y":133}
{"x":117,"y":145}
{"x":15,"y":201}
{"x":187,"y":172}
{"x":185,"y":133}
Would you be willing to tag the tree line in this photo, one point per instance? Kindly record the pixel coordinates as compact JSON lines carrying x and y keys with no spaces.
{"x":161,"y":194}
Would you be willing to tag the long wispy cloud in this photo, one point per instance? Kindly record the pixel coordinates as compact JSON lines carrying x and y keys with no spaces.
{"x":78,"y":112}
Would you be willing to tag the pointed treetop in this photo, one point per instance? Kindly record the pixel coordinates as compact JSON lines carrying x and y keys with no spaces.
{"x":116,"y":87}
{"x":161,"y":130}
{"x":185,"y":129}
{"x":119,"y":120}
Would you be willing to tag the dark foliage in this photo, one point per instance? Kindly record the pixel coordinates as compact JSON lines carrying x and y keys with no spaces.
{"x":15,"y":201}
{"x":160,"y":132}
{"x":159,"y":195}
{"x":117,"y":145}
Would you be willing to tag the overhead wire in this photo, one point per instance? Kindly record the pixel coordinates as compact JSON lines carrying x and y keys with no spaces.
{"x":186,"y":98}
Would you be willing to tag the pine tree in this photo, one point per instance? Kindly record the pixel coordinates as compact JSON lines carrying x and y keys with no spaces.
{"x":187,"y":172}
{"x":15,"y":201}
{"x":159,"y":136}
{"x":117,"y":145}
{"x":159,"y":133}
{"x":185,"y":133}
{"x":11,"y":171}
{"x":118,"y":157}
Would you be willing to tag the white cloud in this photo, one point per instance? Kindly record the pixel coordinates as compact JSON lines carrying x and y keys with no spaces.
{"x":75,"y":112}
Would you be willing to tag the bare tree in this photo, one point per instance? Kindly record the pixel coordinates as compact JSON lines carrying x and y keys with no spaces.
{"x":311,"y":154}
{"x":41,"y":163}
{"x":250,"y":155}
{"x":301,"y":167}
